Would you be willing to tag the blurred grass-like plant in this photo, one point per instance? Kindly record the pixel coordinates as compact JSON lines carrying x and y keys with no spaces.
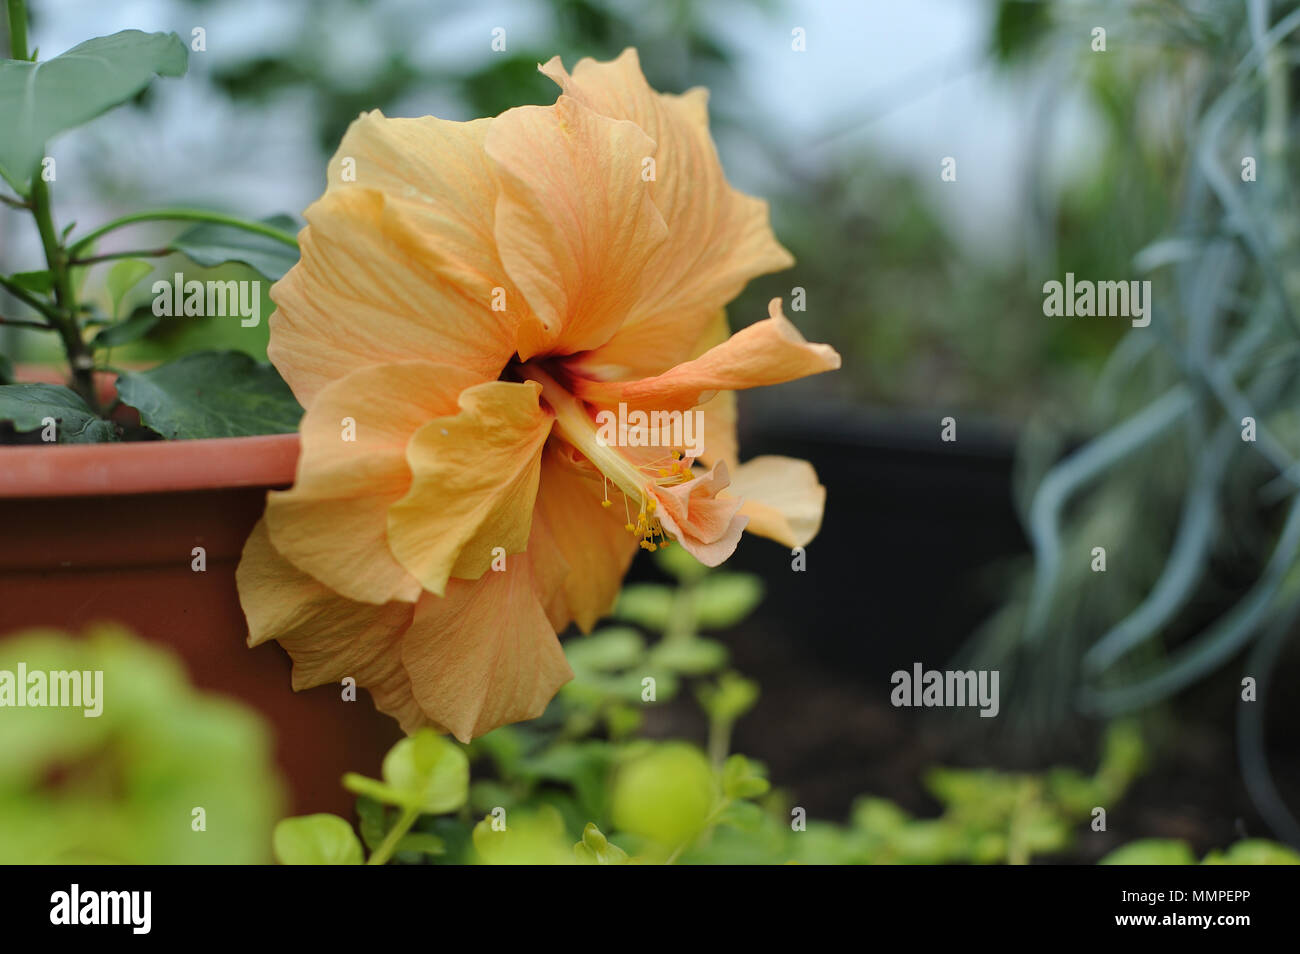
{"x":1191,"y":484}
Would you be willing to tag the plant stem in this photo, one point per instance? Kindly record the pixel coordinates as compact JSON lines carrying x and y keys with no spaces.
{"x":682,"y":624}
{"x":20,"y":323}
{"x":110,"y":256}
{"x":719,"y":740}
{"x":25,"y":297}
{"x":17,"y":29}
{"x":395,"y":834}
{"x":184,"y":215}
{"x":65,"y":315}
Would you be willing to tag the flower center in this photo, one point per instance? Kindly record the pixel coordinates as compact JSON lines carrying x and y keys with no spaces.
{"x":637,"y":481}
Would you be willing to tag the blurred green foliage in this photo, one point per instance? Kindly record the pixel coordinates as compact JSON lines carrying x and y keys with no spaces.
{"x":580,"y":785}
{"x":121,"y":788}
{"x":1161,"y":851}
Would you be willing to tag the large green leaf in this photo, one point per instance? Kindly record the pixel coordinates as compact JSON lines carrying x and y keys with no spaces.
{"x":210,"y":244}
{"x":27,"y":406}
{"x":211,"y":394}
{"x":124,"y":276}
{"x":39,"y":100}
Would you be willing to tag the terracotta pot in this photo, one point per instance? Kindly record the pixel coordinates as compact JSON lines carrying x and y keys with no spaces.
{"x":105,"y":532}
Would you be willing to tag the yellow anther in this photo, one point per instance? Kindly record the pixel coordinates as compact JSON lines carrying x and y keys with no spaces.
{"x":629,"y":528}
{"x":605,"y":503}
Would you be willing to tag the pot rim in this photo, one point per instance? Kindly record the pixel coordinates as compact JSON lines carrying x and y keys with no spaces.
{"x":148,"y":467}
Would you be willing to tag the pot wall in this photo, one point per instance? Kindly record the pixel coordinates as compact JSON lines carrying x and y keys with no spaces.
{"x":70,"y":561}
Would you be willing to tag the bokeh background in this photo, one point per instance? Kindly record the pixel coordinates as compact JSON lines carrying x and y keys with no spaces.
{"x":1113,"y":164}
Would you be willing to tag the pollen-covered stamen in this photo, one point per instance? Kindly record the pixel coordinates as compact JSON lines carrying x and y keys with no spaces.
{"x":638,"y":481}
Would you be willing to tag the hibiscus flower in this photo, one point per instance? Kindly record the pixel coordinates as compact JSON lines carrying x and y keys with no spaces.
{"x":470,"y":297}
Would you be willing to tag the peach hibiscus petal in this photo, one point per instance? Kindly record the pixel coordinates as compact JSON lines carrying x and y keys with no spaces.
{"x":473,"y":484}
{"x":368,"y":290}
{"x":767,"y":352}
{"x":575,"y":223}
{"x":435,"y":173}
{"x":718,"y":425}
{"x":782,"y":499}
{"x":720,"y":237}
{"x":327,"y":636}
{"x":485,"y":654}
{"x":706,"y":524}
{"x":590,"y":540}
{"x":333,"y":523}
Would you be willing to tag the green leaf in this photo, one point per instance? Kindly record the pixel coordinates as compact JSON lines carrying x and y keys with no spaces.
{"x":1254,"y":851}
{"x":1151,"y":851}
{"x":647,"y":604}
{"x":693,"y":657}
{"x":666,"y":795}
{"x":724,"y":599}
{"x":743,"y":816}
{"x":210,"y":245}
{"x":41,"y":283}
{"x":372,"y":789}
{"x":316,"y":840}
{"x":731,"y":698}
{"x":429,"y":772}
{"x":606,"y":650}
{"x":678,"y":562}
{"x":742,"y":778}
{"x":596,"y":849}
{"x":372,"y":818}
{"x":27,"y":406}
{"x":39,"y":100}
{"x":141,"y":322}
{"x":422,"y":842}
{"x":878,"y":816}
{"x":124,"y":276}
{"x":6,"y":371}
{"x":211,"y":394}
{"x":533,"y":837}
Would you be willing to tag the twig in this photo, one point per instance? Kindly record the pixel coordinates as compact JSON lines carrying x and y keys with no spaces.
{"x":20,"y":323}
{"x":110,"y":256}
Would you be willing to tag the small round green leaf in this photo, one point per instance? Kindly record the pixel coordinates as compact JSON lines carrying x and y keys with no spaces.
{"x":429,"y":771}
{"x":322,"y":839}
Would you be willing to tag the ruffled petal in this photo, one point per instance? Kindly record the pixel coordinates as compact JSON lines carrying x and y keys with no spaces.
{"x":437,"y":177}
{"x":484,"y":655}
{"x":782,"y":499}
{"x":719,"y":238}
{"x":590,"y":540}
{"x":767,"y":352}
{"x":333,"y":523}
{"x":718,"y":426}
{"x":327,"y":636}
{"x":707,"y":525}
{"x":575,"y":223}
{"x":473,"y":483}
{"x":369,"y":290}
